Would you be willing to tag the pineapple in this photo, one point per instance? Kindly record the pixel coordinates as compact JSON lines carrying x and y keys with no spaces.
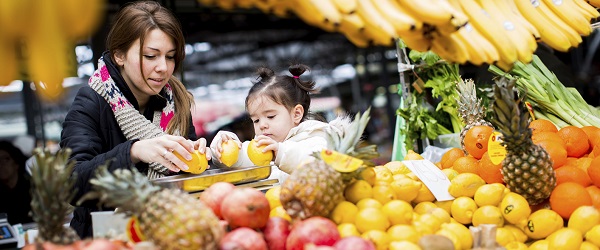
{"x":171,"y":218}
{"x":51,"y":190}
{"x":316,"y":187}
{"x":527,"y":168}
{"x":470,"y":109}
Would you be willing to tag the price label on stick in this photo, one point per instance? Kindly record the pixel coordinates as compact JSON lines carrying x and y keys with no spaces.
{"x":432,"y":177}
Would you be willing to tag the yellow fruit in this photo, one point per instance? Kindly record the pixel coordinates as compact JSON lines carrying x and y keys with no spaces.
{"x":586,"y":245}
{"x":504,"y":236}
{"x":462,"y":209}
{"x":280,"y":212}
{"x":257,"y":156}
{"x":406,"y":189}
{"x":421,"y":228}
{"x":593,"y":235}
{"x":520,"y":236}
{"x":450,"y":173}
{"x":444,"y":204}
{"x":424,"y":194}
{"x":516,"y":245}
{"x":542,"y":223}
{"x":584,"y":218}
{"x":368,"y":203}
{"x":230,"y":153}
{"x":565,"y":238}
{"x":358,"y":190}
{"x":488,"y":214}
{"x":490,"y":194}
{"x":341,"y":162}
{"x":440,"y":213}
{"x":347,"y":229}
{"x":515,"y":208}
{"x":197,"y":164}
{"x":371,"y":219}
{"x":539,"y":245}
{"x":423,"y":207}
{"x":344,"y":212}
{"x":462,"y":232}
{"x":383,"y":174}
{"x":450,"y":235}
{"x":403,"y":245}
{"x":430,"y":221}
{"x":383,"y":192}
{"x":273,"y":196}
{"x":412,"y":155}
{"x":397,"y":167}
{"x":465,"y":184}
{"x":403,"y":233}
{"x":398,"y":212}
{"x":380,"y":239}
{"x":368,"y":174}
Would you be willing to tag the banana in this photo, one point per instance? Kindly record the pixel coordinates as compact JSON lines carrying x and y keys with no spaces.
{"x":376,"y":27}
{"x":511,"y":9}
{"x":595,"y":3}
{"x":588,"y":9}
{"x":327,"y":9}
{"x":9,"y":63}
{"x":484,"y":44}
{"x":571,"y":14}
{"x":489,"y":28}
{"x":80,"y":19}
{"x":417,"y":40}
{"x":352,"y":26}
{"x":476,"y":55}
{"x":574,"y":37}
{"x":280,"y":8}
{"x":457,"y":21}
{"x":309,"y":13}
{"x":428,"y":11}
{"x":397,"y":15}
{"x":226,"y":4}
{"x":450,"y":48}
{"x":244,"y":4}
{"x":549,"y":34}
{"x":345,"y":6}
{"x":15,"y":20}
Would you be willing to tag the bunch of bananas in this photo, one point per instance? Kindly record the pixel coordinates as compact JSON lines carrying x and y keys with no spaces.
{"x":497,"y":32}
{"x":40,"y":37}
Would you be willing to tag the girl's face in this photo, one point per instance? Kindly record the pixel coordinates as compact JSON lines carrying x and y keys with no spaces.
{"x":158,"y":55}
{"x":272,"y":119}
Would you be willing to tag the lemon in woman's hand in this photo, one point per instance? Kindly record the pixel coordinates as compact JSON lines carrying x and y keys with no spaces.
{"x":230,"y":153}
{"x":257,"y":156}
{"x":197,"y":164}
{"x":584,"y":218}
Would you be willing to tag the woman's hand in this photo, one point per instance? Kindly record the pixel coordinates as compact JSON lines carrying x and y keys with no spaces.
{"x":265,"y":140}
{"x":200,"y":145}
{"x":221,"y":137}
{"x":160,"y":149}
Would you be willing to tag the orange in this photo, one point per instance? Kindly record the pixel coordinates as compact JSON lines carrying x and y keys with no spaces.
{"x":595,"y":194}
{"x":466,"y":164}
{"x":572,"y":174}
{"x":594,"y":171}
{"x":476,"y":140}
{"x":556,"y":150}
{"x":573,"y":137}
{"x":593,"y":134}
{"x":488,"y":171}
{"x":571,"y":161}
{"x":450,"y":156}
{"x":547,"y":136}
{"x":568,"y":196}
{"x":583,"y":163}
{"x":595,"y":152}
{"x":541,"y":125}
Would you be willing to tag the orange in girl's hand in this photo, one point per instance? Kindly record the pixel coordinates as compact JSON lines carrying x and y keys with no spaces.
{"x":556,"y":150}
{"x":489,"y":171}
{"x":572,"y":174}
{"x":450,"y":156}
{"x":595,"y":194}
{"x":466,"y":164}
{"x":594,"y":171}
{"x":574,"y":137}
{"x":542,"y":125}
{"x":476,"y":140}
{"x":568,"y":196}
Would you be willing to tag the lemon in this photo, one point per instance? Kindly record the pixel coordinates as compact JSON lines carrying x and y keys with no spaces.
{"x":347,"y":229}
{"x":403,"y":233}
{"x":368,"y":202}
{"x":398,"y":212}
{"x":542,"y":223}
{"x":367,"y":174}
{"x":440,"y":213}
{"x":462,"y":209}
{"x":593,"y":235}
{"x":515,"y":208}
{"x":397,"y":167}
{"x":424,"y":207}
{"x":450,"y":235}
{"x":424,"y":194}
{"x":406,"y":189}
{"x":379,"y":238}
{"x":584,"y":218}
{"x":257,"y":156}
{"x":273,"y":196}
{"x":516,"y":245}
{"x":383,"y":192}
{"x":358,"y":190}
{"x":413,"y":176}
{"x":462,"y":232}
{"x":520,"y":236}
{"x":430,"y":221}
{"x":412,"y":155}
{"x":488,"y":214}
{"x":565,"y":238}
{"x":197,"y":164}
{"x":341,"y":162}
{"x":465,"y":184}
{"x":444,"y":204}
{"x":421,"y":227}
{"x":403,"y":245}
{"x":383,"y":174}
{"x":450,"y":173}
{"x":539,"y":245}
{"x":490,"y":194}
{"x":344,"y":212}
{"x":230,"y":153}
{"x":586,"y":245}
{"x":371,"y":219}
{"x":280,"y":212}
{"x":504,"y":236}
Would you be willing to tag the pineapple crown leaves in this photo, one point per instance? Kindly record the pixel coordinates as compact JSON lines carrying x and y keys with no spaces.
{"x":127,"y":189}
{"x":511,"y":116}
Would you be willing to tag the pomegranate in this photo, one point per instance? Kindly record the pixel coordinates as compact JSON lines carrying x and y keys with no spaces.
{"x":245,"y":207}
{"x":243,"y":238}
{"x":316,"y":230}
{"x":311,"y":246}
{"x":213,"y":196}
{"x":354,"y":243}
{"x":276,"y":232}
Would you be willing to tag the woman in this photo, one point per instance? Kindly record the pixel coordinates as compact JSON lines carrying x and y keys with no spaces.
{"x":134,"y":113}
{"x":14,"y":187}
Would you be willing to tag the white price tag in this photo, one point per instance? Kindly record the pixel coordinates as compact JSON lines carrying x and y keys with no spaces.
{"x":432,"y":177}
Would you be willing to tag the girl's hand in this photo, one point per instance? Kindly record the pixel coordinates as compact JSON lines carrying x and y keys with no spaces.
{"x":265,"y":140}
{"x":200,"y":145}
{"x":160,"y":149}
{"x":221,"y":137}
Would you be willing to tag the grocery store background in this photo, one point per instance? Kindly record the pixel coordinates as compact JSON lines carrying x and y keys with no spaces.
{"x":224,"y":47}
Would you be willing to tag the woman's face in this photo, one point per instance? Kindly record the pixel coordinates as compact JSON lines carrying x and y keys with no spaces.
{"x":272,"y":119}
{"x":158,"y":60}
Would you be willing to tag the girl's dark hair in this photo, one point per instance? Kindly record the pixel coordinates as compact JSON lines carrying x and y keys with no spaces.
{"x":286,"y":90}
{"x":133,"y":22}
{"x":15,"y":153}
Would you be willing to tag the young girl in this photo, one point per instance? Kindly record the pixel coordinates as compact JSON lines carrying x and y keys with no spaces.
{"x":278,"y":106}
